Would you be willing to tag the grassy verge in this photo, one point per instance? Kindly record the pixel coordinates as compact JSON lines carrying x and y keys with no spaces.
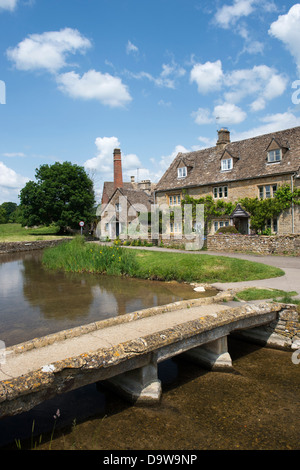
{"x":17,"y":233}
{"x":253,"y":293}
{"x":78,"y":256}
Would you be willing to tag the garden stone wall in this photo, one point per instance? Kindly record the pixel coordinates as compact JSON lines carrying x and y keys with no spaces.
{"x":261,"y":244}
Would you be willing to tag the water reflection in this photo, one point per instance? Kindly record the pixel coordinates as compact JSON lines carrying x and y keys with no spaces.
{"x":35,"y":302}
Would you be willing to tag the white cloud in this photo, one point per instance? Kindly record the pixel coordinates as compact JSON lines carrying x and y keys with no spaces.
{"x":261,"y":81}
{"x":202,"y":116}
{"x":224,"y":114}
{"x":13,"y":154}
{"x":208,"y":76}
{"x":229,"y":113}
{"x":207,"y":142}
{"x":104,"y":158}
{"x":270,"y":123}
{"x":166,"y":160}
{"x":10,"y":183}
{"x":103,"y":162}
{"x":131,"y":48}
{"x":109,"y":90}
{"x":8,"y":4}
{"x":47,"y":50}
{"x":287,"y":29}
{"x":229,"y":14}
{"x":167,"y":78}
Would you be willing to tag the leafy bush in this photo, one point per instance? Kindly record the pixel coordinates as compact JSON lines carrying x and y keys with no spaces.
{"x":228,"y":229}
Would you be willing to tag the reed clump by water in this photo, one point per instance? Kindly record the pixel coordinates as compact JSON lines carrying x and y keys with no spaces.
{"x":79,"y":256}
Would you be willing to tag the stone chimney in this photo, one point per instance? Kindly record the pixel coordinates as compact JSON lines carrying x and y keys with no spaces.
{"x":118,"y":178}
{"x":223,"y":137}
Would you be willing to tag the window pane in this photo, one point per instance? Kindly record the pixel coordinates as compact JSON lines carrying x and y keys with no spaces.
{"x":220,"y":191}
{"x":216,"y":226}
{"x":268,"y":191}
{"x":181,"y":172}
{"x":261,"y":192}
{"x":226,"y":164}
{"x":225,"y":191}
{"x":275,"y":225}
{"x":171,"y":200}
{"x":215,"y":192}
{"x":274,"y":188}
{"x":274,"y":155}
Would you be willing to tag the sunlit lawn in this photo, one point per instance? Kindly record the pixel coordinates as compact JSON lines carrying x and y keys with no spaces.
{"x":164,"y":266}
{"x":15,"y":232}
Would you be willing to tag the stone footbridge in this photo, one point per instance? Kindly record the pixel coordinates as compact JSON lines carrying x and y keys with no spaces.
{"x":124,"y":351}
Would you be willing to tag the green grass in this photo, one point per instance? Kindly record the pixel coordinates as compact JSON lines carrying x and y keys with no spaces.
{"x":78,"y":256}
{"x":15,"y":233}
{"x":253,"y":293}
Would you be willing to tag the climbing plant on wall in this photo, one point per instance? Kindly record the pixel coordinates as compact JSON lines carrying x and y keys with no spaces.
{"x":262,"y":209}
{"x":258,"y":209}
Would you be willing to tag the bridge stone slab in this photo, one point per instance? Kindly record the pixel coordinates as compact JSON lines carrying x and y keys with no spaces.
{"x":135,"y":358}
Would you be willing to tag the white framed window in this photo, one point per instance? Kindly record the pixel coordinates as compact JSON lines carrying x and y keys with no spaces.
{"x":220,"y":191}
{"x":274,"y":156}
{"x":175,"y":227}
{"x":221,"y":223}
{"x":175,"y":200}
{"x":267,"y":191}
{"x":182,"y":172}
{"x":226,"y":164}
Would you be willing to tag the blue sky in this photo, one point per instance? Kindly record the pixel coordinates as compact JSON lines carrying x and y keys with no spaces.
{"x":79,"y":78}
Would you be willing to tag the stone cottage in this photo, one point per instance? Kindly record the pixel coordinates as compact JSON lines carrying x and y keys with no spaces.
{"x":254,"y":167}
{"x":123,"y":202}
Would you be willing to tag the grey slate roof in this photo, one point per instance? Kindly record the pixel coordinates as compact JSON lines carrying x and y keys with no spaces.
{"x":249,"y":161}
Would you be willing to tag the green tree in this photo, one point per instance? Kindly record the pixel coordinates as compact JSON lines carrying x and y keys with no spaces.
{"x":10,"y":208}
{"x":3,"y":215}
{"x":62,"y":194}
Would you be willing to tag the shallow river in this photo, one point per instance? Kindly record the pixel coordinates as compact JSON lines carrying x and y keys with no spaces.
{"x":35,"y":302}
{"x":255,"y":407}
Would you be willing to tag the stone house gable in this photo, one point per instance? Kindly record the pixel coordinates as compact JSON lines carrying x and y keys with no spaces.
{"x":253,"y":167}
{"x":250,"y":161}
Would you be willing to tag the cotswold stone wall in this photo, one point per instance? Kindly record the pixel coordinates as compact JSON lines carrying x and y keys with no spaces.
{"x":282,"y":333}
{"x":12,"y":247}
{"x":264,"y":245}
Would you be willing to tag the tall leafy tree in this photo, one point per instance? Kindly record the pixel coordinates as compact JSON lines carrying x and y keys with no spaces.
{"x":62,"y":194}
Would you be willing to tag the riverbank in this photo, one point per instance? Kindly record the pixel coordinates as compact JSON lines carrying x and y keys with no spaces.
{"x":16,"y":233}
{"x":78,"y":256}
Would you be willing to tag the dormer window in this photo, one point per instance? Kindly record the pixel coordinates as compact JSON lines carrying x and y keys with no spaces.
{"x":182,"y":172}
{"x":274,"y":155}
{"x":226,"y":164}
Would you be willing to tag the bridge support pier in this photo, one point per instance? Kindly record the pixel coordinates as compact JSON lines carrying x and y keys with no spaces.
{"x":213,"y":355}
{"x":139,"y":386}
